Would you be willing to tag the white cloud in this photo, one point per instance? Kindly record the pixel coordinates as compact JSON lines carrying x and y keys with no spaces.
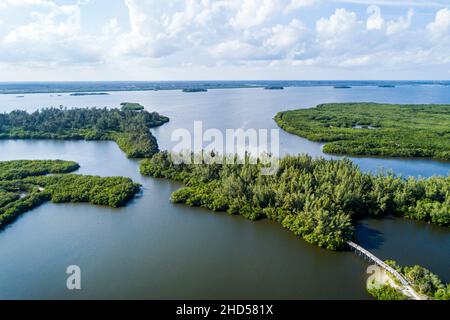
{"x":338,"y":28}
{"x":111,"y":28}
{"x":234,"y":49}
{"x":398,"y":3}
{"x":147,"y":37}
{"x":50,"y":34}
{"x":441,"y":24}
{"x":296,"y":4}
{"x":253,"y":13}
{"x":45,"y":26}
{"x":401,"y":24}
{"x":284,"y":37}
{"x":206,"y":33}
{"x":341,"y":22}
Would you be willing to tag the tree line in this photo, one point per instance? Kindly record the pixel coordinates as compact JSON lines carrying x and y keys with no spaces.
{"x":128,"y":128}
{"x":374,"y":129}
{"x":317,"y":199}
{"x":25,"y":185}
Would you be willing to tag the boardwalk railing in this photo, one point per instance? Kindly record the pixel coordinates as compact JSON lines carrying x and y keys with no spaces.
{"x":379,"y":262}
{"x":407,"y":286}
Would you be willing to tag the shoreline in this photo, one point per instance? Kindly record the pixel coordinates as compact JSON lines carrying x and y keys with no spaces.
{"x":57,"y":87}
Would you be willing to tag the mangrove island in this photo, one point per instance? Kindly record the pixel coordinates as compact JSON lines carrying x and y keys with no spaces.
{"x":382,"y":129}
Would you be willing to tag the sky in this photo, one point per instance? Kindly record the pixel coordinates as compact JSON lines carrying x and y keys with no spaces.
{"x":64,"y":40}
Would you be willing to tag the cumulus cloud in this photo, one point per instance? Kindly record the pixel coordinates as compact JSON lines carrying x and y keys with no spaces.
{"x":181,"y":33}
{"x":338,"y":28}
{"x":286,"y":36}
{"x":296,"y":4}
{"x":441,"y":24}
{"x":50,"y":34}
{"x":252,"y":13}
{"x":401,"y":24}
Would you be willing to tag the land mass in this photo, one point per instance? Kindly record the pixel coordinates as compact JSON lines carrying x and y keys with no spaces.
{"x":79,"y":94}
{"x":131,"y":106}
{"x":423,"y":281}
{"x":372,"y":129}
{"x":191,"y":90}
{"x":128,"y":128}
{"x":25,"y":185}
{"x":274,"y":88}
{"x":317,"y":199}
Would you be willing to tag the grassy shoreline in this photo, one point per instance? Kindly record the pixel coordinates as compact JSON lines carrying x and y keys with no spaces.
{"x":370,"y":129}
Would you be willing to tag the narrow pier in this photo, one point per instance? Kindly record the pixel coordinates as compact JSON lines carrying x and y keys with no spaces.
{"x":371,"y":257}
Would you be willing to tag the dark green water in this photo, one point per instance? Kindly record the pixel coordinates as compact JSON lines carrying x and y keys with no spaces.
{"x":154,"y":249}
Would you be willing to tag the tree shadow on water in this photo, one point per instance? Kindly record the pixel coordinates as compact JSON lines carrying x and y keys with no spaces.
{"x":368,"y":237}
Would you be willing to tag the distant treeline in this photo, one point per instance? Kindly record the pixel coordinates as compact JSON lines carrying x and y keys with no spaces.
{"x":129,"y":129}
{"x":374,"y":129}
{"x":316,"y":199}
{"x":24,"y":185}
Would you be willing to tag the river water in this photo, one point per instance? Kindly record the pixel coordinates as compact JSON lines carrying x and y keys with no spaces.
{"x":155,"y":249}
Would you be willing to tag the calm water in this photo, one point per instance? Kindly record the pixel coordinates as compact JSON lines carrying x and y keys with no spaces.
{"x":154,"y":249}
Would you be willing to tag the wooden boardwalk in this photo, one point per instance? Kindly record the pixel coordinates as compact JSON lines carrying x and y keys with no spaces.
{"x":371,"y":257}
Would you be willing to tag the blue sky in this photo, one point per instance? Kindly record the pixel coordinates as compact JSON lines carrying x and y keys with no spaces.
{"x":52,"y":40}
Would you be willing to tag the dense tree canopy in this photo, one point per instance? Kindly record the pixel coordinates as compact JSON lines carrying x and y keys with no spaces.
{"x":131,"y":106}
{"x":130,"y":129}
{"x":316,"y":199}
{"x":19,"y":169}
{"x":386,"y":292}
{"x":374,"y":129}
{"x":24,"y":185}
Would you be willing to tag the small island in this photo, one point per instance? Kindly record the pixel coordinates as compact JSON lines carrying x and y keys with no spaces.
{"x":26,"y":184}
{"x":317,"y":199}
{"x":191,"y":90}
{"x":131,"y":106}
{"x":129,"y":129}
{"x":386,"y":86}
{"x":273,"y":88}
{"x":79,"y":94}
{"x":391,"y":130}
{"x":342,"y":87}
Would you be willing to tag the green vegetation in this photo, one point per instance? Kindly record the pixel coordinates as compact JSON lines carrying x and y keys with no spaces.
{"x":129,"y":129}
{"x":273,"y":88}
{"x":316,"y":199}
{"x":374,"y":129}
{"x":80,"y":94}
{"x":131,"y":106}
{"x":20,"y":169}
{"x":24,"y":185}
{"x":386,"y":292}
{"x":424,"y":281}
{"x":190,"y":90}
